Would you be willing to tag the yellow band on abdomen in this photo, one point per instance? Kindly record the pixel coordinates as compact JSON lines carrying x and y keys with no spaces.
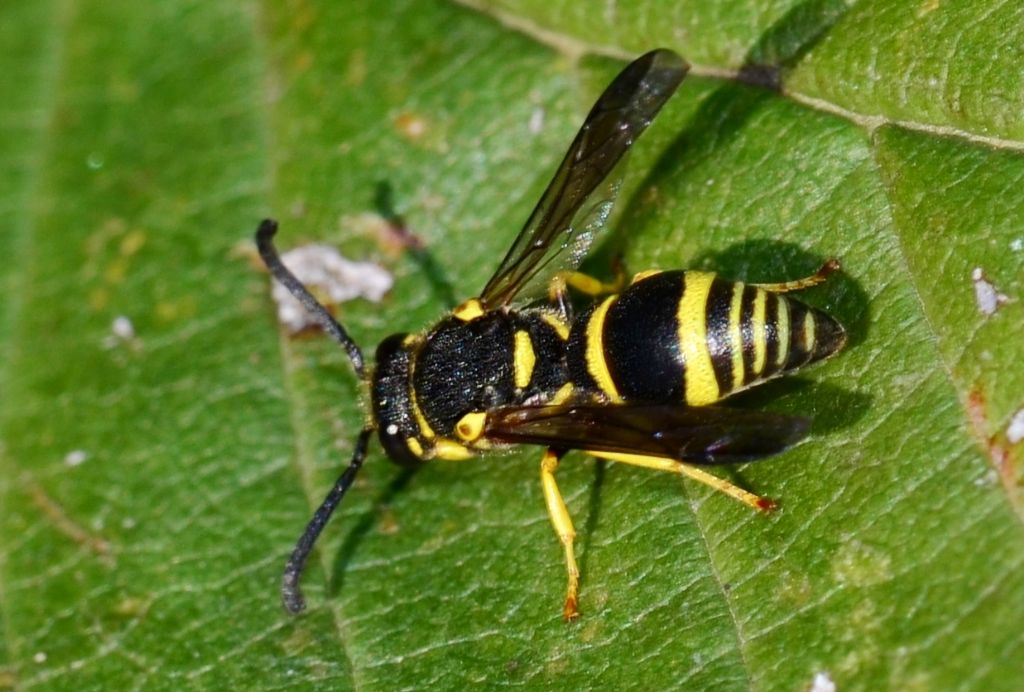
{"x":701,"y":385}
{"x":759,"y":332}
{"x":596,"y":365}
{"x":782,"y":331}
{"x":736,"y":334}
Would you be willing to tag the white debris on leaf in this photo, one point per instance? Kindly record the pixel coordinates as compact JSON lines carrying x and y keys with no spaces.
{"x":985,"y":293}
{"x":822,"y":683}
{"x":122,"y":331}
{"x":332,"y":278}
{"x":536,"y":123}
{"x":1015,"y":430}
{"x":76,"y":457}
{"x":123,"y":328}
{"x":989,"y":479}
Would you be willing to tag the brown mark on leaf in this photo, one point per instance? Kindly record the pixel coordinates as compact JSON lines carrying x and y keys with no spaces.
{"x":392,"y":236}
{"x":392,"y":232}
{"x":411,"y":126}
{"x":245,"y":250}
{"x":389,"y":522}
{"x":355,"y":71}
{"x":63,"y":523}
{"x":109,"y":251}
{"x":650,"y":196}
{"x":1000,"y":453}
{"x":132,"y":607}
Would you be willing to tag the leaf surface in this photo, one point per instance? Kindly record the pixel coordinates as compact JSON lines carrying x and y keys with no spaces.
{"x":151,"y":486}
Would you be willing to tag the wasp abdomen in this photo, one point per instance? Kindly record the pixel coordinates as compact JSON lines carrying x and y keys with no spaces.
{"x":693,"y":337}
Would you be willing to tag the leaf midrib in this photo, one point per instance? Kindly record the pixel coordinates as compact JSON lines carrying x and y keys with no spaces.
{"x":575,"y":48}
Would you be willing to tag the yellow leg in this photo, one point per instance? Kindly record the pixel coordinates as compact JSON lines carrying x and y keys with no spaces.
{"x":563,"y":527}
{"x":585,"y":284}
{"x":799,"y":284}
{"x":672,"y":466}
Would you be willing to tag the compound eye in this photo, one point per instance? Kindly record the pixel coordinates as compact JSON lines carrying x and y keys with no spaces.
{"x":402,"y":451}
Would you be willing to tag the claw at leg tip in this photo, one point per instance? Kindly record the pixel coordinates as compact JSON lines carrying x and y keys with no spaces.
{"x":570,"y":613}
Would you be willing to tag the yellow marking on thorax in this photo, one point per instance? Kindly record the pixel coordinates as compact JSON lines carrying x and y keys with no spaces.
{"x":782,"y":330}
{"x":471,"y":426}
{"x":450,"y":450}
{"x":563,"y":394}
{"x":736,"y":334}
{"x":596,"y":365}
{"x":701,"y":385}
{"x":758,"y":327}
{"x":560,"y":327}
{"x":414,"y":446}
{"x":421,"y":420}
{"x":809,"y":336}
{"x":469,"y":310}
{"x":523,"y":359}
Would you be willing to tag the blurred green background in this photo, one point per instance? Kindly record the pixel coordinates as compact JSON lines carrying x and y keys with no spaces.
{"x":152,"y":486}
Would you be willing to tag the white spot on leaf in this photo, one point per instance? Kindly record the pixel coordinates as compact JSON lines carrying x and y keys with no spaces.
{"x":536,"y":121}
{"x":76,"y":457}
{"x":858,"y":564}
{"x":988,"y":479}
{"x":122,"y":331}
{"x":822,"y":683}
{"x":985,"y":293}
{"x":1015,"y":430}
{"x":329,"y":276}
{"x":123,"y":328}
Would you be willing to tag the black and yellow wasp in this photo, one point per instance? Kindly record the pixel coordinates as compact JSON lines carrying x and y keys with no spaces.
{"x":632,"y":378}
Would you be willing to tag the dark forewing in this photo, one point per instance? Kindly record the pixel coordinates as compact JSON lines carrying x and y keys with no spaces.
{"x":577,"y":200}
{"x":698,"y":435}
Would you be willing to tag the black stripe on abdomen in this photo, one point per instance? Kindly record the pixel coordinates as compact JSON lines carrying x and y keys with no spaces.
{"x":720,"y":340}
{"x":641,"y":345}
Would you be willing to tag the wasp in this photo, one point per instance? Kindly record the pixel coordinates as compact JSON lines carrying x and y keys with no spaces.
{"x":633,"y":378}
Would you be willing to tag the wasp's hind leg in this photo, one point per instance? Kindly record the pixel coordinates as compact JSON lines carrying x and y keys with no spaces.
{"x":818,"y":277}
{"x":757,"y":502}
{"x":562,"y":522}
{"x":558,"y":289}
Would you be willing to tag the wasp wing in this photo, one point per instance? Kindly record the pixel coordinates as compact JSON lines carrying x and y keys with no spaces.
{"x":697,"y":435}
{"x":580,"y":196}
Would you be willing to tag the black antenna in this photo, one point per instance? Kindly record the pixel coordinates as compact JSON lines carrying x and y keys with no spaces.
{"x":264,"y":242}
{"x":291,"y":593}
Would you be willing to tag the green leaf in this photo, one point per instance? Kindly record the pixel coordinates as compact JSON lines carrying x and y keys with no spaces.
{"x":152,"y":486}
